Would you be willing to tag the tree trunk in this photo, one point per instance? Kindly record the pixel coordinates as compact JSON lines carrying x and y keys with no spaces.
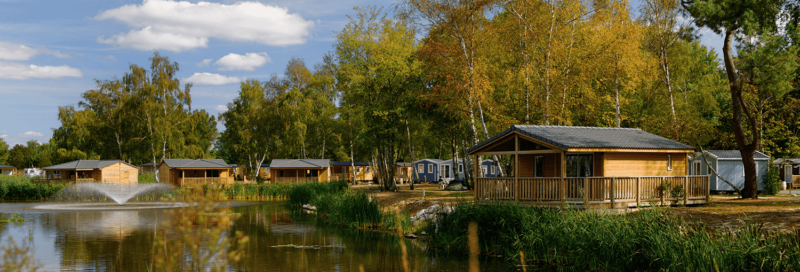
{"x":467,"y":171}
{"x":616,"y":89}
{"x":486,"y":134}
{"x":413,"y":159}
{"x":746,"y":147}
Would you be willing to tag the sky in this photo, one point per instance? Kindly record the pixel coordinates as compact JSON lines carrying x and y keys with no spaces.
{"x":51,"y":51}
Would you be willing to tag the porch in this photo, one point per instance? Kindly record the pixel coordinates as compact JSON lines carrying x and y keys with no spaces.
{"x":293,"y":180}
{"x":205,"y":180}
{"x":612,"y":192}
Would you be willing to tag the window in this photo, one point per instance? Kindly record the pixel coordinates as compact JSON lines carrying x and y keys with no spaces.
{"x":580,"y":165}
{"x":421,"y":168}
{"x":367,"y":169}
{"x":484,"y":169}
{"x":460,"y":168}
{"x":538,"y":166}
{"x":492,"y":169}
{"x":669,"y":162}
{"x":696,"y":169}
{"x":281,"y":173}
{"x":430,"y":168}
{"x":57,"y":172}
{"x":212,"y":173}
{"x":312,"y":173}
{"x":358,"y":169}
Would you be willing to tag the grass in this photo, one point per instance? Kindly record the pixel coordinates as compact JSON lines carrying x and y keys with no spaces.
{"x":23,"y":188}
{"x":653,"y":239}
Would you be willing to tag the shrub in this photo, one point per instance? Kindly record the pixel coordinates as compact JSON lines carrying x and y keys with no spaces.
{"x":23,"y":188}
{"x":147,"y":178}
{"x":772,"y":180}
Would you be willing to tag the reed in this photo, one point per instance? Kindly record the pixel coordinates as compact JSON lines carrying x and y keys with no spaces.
{"x":653,"y":239}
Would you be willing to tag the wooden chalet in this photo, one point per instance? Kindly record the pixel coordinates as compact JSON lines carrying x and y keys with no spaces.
{"x":104,"y":171}
{"x":147,"y":168}
{"x":301,"y":170}
{"x":344,"y":171}
{"x":403,"y":171}
{"x":789,"y":171}
{"x":182,"y":172}
{"x":615,"y":167}
{"x":7,"y":170}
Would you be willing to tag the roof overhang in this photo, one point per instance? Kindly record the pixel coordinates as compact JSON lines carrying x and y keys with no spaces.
{"x":509,"y":134}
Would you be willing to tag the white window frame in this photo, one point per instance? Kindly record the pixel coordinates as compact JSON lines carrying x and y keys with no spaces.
{"x":430,"y":168}
{"x":421,"y":168}
{"x":697,"y":168}
{"x":367,"y":169}
{"x":669,"y":162}
{"x":57,"y":172}
{"x":461,"y":168}
{"x":483,"y":167}
{"x":358,"y":169}
{"x":492,"y":169}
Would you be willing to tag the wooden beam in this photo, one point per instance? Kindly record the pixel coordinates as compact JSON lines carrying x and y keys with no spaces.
{"x":505,"y":138}
{"x":516,"y":169}
{"x":518,"y":152}
{"x":563,"y":176}
{"x":629,"y":150}
{"x":477,"y":185}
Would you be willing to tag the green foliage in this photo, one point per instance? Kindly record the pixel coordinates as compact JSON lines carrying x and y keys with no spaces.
{"x":147,"y":178}
{"x":258,"y":191}
{"x":349,"y":208}
{"x":22,"y":188}
{"x":772,"y":180}
{"x":648,"y":240}
{"x":306,"y":192}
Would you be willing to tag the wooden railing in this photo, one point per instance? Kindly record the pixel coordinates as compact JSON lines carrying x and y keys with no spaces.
{"x":293,"y":180}
{"x":191,"y":181}
{"x":631,"y":191}
{"x":339,"y":177}
{"x":70,"y":181}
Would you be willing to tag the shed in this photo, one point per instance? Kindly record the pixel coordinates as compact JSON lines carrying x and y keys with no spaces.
{"x":105,"y":171}
{"x":182,"y":172}
{"x":729,"y":165}
{"x":299,"y":170}
{"x":147,"y":168}
{"x":7,"y":170}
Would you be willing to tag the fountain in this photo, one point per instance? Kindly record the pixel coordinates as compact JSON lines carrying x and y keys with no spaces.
{"x":119,"y":193}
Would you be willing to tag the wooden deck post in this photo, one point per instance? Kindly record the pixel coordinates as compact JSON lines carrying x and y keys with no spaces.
{"x":585,"y":192}
{"x":662,"y":190}
{"x":563,"y":176}
{"x":685,"y":190}
{"x":516,"y":168}
{"x":638,"y":191}
{"x":478,"y":188}
{"x":613,"y":180}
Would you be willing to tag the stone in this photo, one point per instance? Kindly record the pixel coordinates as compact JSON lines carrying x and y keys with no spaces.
{"x":410,"y":236}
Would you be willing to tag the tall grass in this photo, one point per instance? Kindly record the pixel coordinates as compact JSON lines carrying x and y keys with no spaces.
{"x":305,"y":193}
{"x":336,"y":204}
{"x":653,"y":239}
{"x":22,"y":188}
{"x":240,"y":191}
{"x":147,"y":178}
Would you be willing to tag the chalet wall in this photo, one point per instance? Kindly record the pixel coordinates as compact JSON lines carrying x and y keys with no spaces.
{"x":643,"y":164}
{"x":164,"y":173}
{"x":120,"y":173}
{"x":526,"y":165}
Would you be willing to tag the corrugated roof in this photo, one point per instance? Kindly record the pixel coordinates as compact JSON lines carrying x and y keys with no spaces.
{"x":735,"y":154}
{"x":341,"y":163}
{"x":85,"y":164}
{"x":788,"y":161}
{"x":196,"y":163}
{"x":566,"y":137}
{"x":2,"y":166}
{"x":300,"y":163}
{"x":404,"y":164}
{"x":148,"y":164}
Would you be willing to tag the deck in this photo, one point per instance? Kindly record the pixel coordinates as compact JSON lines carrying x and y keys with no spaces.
{"x":613,"y":192}
{"x":192,"y":181}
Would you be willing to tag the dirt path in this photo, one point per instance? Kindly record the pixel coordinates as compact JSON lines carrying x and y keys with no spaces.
{"x":775,"y":212}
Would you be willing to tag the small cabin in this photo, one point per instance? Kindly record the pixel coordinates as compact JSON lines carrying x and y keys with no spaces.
{"x":7,"y":170}
{"x":729,"y":165}
{"x":299,"y":170}
{"x":588,"y":165}
{"x":489,"y":169}
{"x":263,"y":171}
{"x":104,"y":171}
{"x":344,"y":171}
{"x":789,"y":170}
{"x":147,"y":168}
{"x":403,"y":172}
{"x":183,"y":172}
{"x":434,"y":170}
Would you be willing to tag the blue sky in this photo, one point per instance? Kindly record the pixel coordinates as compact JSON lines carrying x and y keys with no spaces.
{"x":52,"y":51}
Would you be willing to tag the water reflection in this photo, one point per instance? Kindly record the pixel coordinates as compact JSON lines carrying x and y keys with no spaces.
{"x":279,"y":241}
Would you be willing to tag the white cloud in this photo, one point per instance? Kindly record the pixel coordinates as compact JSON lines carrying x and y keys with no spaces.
{"x":180,"y":25}
{"x":32,"y":134}
{"x":12,"y":51}
{"x":247,"y":62}
{"x":222,"y":108}
{"x":211,"y":79}
{"x":204,"y":63}
{"x":4,"y":135}
{"x":23,"y":71}
{"x":110,"y":57}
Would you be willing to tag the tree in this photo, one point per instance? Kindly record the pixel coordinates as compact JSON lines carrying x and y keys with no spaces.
{"x":729,"y":18}
{"x":3,"y":151}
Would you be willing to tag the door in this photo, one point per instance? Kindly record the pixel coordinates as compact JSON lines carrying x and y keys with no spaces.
{"x":446,"y":171}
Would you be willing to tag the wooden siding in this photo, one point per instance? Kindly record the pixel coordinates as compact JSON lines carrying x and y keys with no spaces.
{"x":118,"y":173}
{"x":643,"y":164}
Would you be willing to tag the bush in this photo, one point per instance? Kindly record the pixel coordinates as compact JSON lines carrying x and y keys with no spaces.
{"x":147,"y":178}
{"x":304,"y":193}
{"x":23,"y":188}
{"x":648,"y":240}
{"x":772,"y":180}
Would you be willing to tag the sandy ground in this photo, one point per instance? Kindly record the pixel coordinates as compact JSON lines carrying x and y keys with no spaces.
{"x":780,"y":212}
